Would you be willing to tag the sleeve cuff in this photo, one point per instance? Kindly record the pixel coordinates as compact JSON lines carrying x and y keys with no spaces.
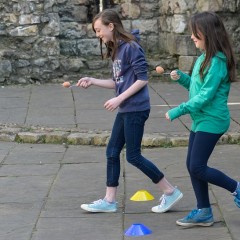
{"x":174,"y":113}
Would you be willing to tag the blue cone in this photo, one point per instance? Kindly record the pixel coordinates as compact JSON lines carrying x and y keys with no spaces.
{"x":137,"y":229}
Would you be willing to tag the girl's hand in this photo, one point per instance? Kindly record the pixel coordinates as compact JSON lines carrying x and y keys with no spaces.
{"x":174,"y":75}
{"x":167,"y":116}
{"x":112,"y":103}
{"x":85,"y":82}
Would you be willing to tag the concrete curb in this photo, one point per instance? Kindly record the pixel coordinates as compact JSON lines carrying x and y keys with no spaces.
{"x":36,"y":134}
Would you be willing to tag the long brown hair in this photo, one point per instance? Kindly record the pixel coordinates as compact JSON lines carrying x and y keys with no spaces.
{"x":216,"y":39}
{"x":108,"y":16}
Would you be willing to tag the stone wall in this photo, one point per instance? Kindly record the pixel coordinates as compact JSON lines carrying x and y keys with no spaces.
{"x":52,"y":40}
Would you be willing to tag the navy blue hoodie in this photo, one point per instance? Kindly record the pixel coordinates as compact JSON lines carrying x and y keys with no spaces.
{"x":130,"y":65}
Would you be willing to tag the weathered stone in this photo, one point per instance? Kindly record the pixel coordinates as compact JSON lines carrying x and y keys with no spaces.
{"x":179,"y":141}
{"x":6,"y":137}
{"x":130,"y":10}
{"x":234,"y":137}
{"x":181,"y":45}
{"x":5,"y":68}
{"x":175,"y":6}
{"x":73,"y":30}
{"x":47,"y":46}
{"x":89,"y":47}
{"x":24,"y":31}
{"x":80,"y":13}
{"x":53,"y":27}
{"x":68,"y":48}
{"x":29,"y":19}
{"x":79,"y":2}
{"x":100,"y":139}
{"x":28,"y":137}
{"x":35,"y":35}
{"x":13,"y":18}
{"x":40,"y":62}
{"x":98,"y":64}
{"x":19,"y":79}
{"x":22,"y":63}
{"x":154,"y":141}
{"x":10,"y":130}
{"x":72,"y":64}
{"x":185,"y":63}
{"x":127,"y":25}
{"x":214,"y":5}
{"x":146,"y":26}
{"x":179,"y":23}
{"x":79,"y":138}
{"x":165,"y":23}
{"x":149,"y":9}
{"x":56,"y":137}
{"x":48,"y":4}
{"x":225,"y":138}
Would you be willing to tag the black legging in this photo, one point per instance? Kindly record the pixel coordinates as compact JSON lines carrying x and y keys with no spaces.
{"x":201,"y":145}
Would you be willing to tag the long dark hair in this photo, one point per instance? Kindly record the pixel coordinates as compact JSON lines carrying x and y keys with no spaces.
{"x":216,"y":39}
{"x":108,"y":16}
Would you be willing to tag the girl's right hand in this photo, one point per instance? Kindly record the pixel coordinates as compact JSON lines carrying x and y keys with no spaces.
{"x":174,"y":75}
{"x":84,"y":82}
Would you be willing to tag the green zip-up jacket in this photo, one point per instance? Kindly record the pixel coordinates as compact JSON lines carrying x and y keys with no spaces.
{"x":208,"y":97}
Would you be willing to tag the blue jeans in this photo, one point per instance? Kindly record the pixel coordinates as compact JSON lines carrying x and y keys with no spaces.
{"x":128,"y":129}
{"x":201,"y":145}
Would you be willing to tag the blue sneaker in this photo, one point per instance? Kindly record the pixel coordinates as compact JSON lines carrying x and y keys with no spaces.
{"x":100,"y":205}
{"x":167,"y":201}
{"x":237,"y":195}
{"x":197,"y":217}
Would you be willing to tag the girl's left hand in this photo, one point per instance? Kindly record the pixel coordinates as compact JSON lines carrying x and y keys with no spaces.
{"x":167,"y":116}
{"x":112,"y":104}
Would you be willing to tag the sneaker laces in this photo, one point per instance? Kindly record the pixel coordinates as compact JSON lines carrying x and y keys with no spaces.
{"x":97,"y":201}
{"x":192,"y":214}
{"x":162,"y":200}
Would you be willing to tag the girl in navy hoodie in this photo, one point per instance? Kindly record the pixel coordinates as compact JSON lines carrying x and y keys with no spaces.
{"x":130,"y":81}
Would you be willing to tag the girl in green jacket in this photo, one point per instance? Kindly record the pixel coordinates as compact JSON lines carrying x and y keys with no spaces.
{"x":208,"y":88}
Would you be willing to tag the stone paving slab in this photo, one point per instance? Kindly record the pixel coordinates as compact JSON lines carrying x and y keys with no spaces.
{"x":41,"y":201}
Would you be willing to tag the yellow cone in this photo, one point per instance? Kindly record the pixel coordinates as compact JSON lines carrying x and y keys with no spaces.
{"x":142,"y":195}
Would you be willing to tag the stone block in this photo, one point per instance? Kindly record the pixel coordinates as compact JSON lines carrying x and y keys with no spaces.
{"x":155,"y":141}
{"x":175,"y":6}
{"x":176,"y":23}
{"x":185,"y":63}
{"x":56,"y":137}
{"x":179,"y":141}
{"x":72,"y":30}
{"x":130,"y":10}
{"x":88,"y":47}
{"x":72,"y":64}
{"x":100,"y":139}
{"x":180,"y":45}
{"x":29,"y":137}
{"x":214,"y":5}
{"x":5,"y":68}
{"x":24,"y":31}
{"x":29,"y":19}
{"x":234,"y":138}
{"x":7,"y":137}
{"x":79,"y":139}
{"x":146,"y":26}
